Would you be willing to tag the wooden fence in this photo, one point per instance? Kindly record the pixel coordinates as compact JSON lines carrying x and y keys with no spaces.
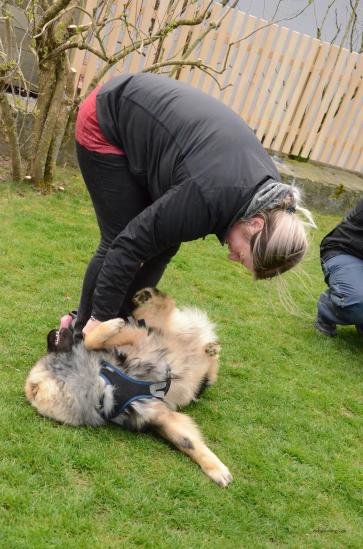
{"x":301,"y":96}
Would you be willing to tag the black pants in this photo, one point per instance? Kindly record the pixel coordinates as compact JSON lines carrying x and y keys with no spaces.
{"x":117,"y":196}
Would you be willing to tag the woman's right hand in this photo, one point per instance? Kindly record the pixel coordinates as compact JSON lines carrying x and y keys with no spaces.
{"x":90,"y":326}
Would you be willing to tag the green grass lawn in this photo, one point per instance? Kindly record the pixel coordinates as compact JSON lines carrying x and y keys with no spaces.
{"x":285,"y":415}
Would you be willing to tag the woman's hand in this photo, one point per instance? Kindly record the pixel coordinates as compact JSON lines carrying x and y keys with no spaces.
{"x":90,"y":326}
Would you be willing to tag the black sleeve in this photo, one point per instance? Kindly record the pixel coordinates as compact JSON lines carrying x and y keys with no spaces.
{"x":180,"y":215}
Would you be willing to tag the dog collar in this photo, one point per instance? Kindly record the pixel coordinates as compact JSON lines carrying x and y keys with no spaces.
{"x":127,"y":389}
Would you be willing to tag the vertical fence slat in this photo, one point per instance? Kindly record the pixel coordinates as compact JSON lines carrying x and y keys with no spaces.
{"x":306,"y":60}
{"x":243,"y":20}
{"x":357,"y":147}
{"x":93,"y":63}
{"x":221,"y":38}
{"x":157,"y":11}
{"x":114,"y":35}
{"x":321,"y":142}
{"x":206,"y":45}
{"x":143,"y":57}
{"x":358,"y":167}
{"x":348,"y":131}
{"x":78,"y":56}
{"x":329,"y":90}
{"x":169,"y":42}
{"x":254,"y":44}
{"x":255,"y":121}
{"x":312,"y":106}
{"x":258,"y":73}
{"x":275,"y":104}
{"x":286,"y":90}
{"x":305,"y":99}
{"x":235,"y":35}
{"x":192,"y":33}
{"x":180,"y":35}
{"x":345,"y":112}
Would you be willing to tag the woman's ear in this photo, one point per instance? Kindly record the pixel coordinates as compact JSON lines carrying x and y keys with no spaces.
{"x":256,"y":224}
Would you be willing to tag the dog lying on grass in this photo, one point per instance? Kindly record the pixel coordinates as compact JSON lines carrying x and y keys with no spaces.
{"x":175,"y":355}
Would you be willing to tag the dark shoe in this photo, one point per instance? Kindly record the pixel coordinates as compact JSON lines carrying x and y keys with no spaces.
{"x":326,"y":329}
{"x":359,"y":328}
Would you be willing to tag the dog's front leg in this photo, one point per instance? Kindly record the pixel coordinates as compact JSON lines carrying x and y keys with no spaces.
{"x":184,"y":434}
{"x":98,"y":337}
{"x":113,"y":333}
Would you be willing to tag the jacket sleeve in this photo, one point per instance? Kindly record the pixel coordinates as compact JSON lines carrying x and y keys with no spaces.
{"x":356,"y":214}
{"x":180,"y":215}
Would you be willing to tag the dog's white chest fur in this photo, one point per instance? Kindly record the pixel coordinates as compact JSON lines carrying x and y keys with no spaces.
{"x":191,"y":321}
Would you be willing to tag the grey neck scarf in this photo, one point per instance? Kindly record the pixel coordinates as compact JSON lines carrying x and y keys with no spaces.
{"x":269,"y":197}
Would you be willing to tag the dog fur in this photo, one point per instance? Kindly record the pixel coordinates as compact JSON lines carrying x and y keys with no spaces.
{"x":65,"y":385}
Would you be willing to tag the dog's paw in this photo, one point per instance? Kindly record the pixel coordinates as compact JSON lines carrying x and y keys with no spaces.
{"x":212,"y":348}
{"x":113,"y":326}
{"x":103,"y":332}
{"x":142,"y":297}
{"x":220,"y":474}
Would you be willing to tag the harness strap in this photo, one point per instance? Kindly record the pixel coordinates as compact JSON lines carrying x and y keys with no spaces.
{"x":127,"y":389}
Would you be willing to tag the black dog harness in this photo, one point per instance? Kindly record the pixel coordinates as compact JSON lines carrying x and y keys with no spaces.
{"x":128,"y":389}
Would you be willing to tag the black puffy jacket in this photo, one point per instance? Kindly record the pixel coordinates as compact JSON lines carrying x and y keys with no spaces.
{"x":347,"y":237}
{"x":200,"y":162}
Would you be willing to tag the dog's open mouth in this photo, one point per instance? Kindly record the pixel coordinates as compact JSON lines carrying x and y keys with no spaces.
{"x":60,"y":341}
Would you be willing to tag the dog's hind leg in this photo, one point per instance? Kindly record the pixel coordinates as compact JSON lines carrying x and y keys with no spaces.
{"x":212,"y":349}
{"x":184,"y":434}
{"x":213,"y":369}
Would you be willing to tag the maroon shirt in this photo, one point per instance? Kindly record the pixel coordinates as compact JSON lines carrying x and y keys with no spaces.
{"x":88,"y":132}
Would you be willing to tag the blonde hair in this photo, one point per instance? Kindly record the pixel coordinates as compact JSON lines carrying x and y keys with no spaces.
{"x":283,"y":241}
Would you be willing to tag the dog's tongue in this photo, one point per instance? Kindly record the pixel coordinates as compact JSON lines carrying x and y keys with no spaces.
{"x":65,"y":321}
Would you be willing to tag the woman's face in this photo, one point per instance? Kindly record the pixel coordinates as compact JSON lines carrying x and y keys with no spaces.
{"x":239,"y":240}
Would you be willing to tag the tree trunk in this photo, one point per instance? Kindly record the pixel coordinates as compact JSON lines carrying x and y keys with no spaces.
{"x":56,"y":85}
{"x":47,"y":131}
{"x":60,"y":127}
{"x":12,"y":135}
{"x":47,"y":83}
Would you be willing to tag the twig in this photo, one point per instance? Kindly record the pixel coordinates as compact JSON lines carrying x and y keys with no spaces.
{"x":182,"y":62}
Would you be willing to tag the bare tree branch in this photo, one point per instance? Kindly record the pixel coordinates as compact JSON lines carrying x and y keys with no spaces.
{"x":352,"y":17}
{"x":185,"y":63}
{"x":52,"y":11}
{"x":53,"y":20}
{"x":354,"y":21}
{"x":337,"y":27}
{"x":320,"y":29}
